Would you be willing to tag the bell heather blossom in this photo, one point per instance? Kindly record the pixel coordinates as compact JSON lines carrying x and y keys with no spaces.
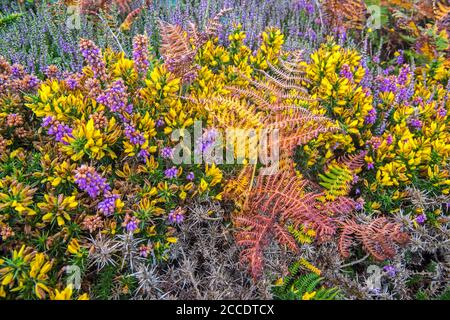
{"x":416,"y":124}
{"x":115,"y":97}
{"x":57,"y":129}
{"x":133,"y":135}
{"x":90,"y":181}
{"x":108,"y":205}
{"x":166,"y":153}
{"x":176,"y":216}
{"x":171,"y":173}
{"x":345,"y":72}
{"x":140,"y":53}
{"x":371,"y":116}
{"x":190,"y":176}
{"x":420,"y":219}
{"x":389,"y":139}
{"x":93,"y":56}
{"x":390,"y":270}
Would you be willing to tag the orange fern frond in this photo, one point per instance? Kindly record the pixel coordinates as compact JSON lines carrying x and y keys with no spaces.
{"x":350,"y":14}
{"x":179,"y":46}
{"x":353,"y":162}
{"x":379,"y":237}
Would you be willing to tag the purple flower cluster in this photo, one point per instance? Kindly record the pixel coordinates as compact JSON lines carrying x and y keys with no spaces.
{"x":346,"y":73}
{"x":176,"y":216}
{"x":206,"y":141}
{"x":190,"y":176}
{"x":140,"y":53}
{"x":420,"y":219}
{"x":93,"y":56}
{"x":387,"y":84}
{"x":166,"y":152}
{"x":116,"y":98}
{"x":371,"y":116}
{"x":108,"y":205}
{"x":133,"y":135}
{"x":416,"y":124}
{"x":389,"y":140}
{"x":90,"y":181}
{"x":401,"y":57}
{"x":171,"y":173}
{"x":132,"y":225}
{"x":442,"y":112}
{"x":305,"y":5}
{"x":390,"y":270}
{"x":57,"y":129}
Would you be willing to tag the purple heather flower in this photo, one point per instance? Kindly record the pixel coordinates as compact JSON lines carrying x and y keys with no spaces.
{"x":359,"y":206}
{"x":90,"y":181}
{"x":171,"y":173}
{"x":371,"y":116}
{"x":132,"y":226}
{"x":108,"y":205}
{"x":166,"y":152}
{"x":176,"y":216}
{"x":401,"y":57}
{"x":207,"y":141}
{"x":305,"y":5}
{"x":420,"y":219}
{"x":116,"y":97}
{"x":190,"y":176}
{"x":416,"y":124}
{"x":144,"y":154}
{"x":370,"y":166}
{"x":387,"y":84}
{"x":57,"y":129}
{"x":442,"y":112}
{"x":133,"y":135}
{"x":390,"y":270}
{"x":140,"y":53}
{"x":92,"y":54}
{"x":30,"y":82}
{"x":389,"y":140}
{"x":345,"y":72}
{"x":160,"y":123}
{"x":403,"y":75}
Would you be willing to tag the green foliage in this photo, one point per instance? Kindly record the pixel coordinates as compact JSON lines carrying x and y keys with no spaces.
{"x":9,"y":19}
{"x":336,"y":180}
{"x":296,"y":286}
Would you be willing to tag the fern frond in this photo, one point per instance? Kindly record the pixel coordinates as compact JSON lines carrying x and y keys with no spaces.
{"x":310,"y":267}
{"x":353,"y":162}
{"x":302,"y":235}
{"x":378,"y":237}
{"x":350,"y":14}
{"x":336,"y":180}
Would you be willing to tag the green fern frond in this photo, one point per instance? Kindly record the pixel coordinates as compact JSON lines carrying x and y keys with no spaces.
{"x":336,"y":180}
{"x":302,"y":235}
{"x":300,"y":287}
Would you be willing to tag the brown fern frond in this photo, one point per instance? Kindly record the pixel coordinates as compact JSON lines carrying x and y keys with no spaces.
{"x":214,"y":25}
{"x":176,"y":48}
{"x":353,"y":162}
{"x":378,"y":237}
{"x":179,"y":46}
{"x":350,"y":14}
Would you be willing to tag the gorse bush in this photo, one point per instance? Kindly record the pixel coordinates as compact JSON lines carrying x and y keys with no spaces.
{"x":356,"y":172}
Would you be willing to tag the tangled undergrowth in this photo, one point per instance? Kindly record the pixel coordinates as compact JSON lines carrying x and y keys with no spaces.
{"x":116,"y":171}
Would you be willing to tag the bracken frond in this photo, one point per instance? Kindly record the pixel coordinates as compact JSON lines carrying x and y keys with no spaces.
{"x":350,"y":14}
{"x":378,"y":237}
